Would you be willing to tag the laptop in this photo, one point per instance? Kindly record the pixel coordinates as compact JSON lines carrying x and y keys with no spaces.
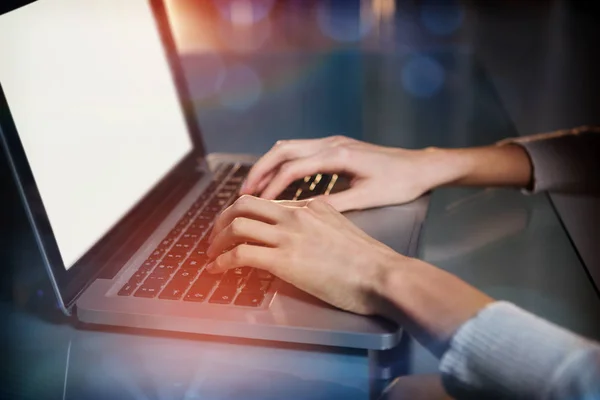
{"x":101,"y":135}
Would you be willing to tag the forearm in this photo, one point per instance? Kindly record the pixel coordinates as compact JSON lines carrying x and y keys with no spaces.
{"x":429,"y":302}
{"x":561,"y":161}
{"x":507,"y":166}
{"x":487,"y":348}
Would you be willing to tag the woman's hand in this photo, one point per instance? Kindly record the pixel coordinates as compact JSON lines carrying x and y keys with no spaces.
{"x":315,"y":248}
{"x":380,"y":175}
{"x":305,"y":243}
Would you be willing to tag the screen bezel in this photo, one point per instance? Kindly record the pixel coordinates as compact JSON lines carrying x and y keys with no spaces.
{"x":107,"y":256}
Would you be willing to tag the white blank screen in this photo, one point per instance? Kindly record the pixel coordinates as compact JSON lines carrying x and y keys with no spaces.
{"x":93,"y":100}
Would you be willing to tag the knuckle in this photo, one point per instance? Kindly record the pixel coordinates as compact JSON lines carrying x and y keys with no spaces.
{"x":338,"y":138}
{"x":287,"y":170}
{"x":296,"y":213}
{"x":243,"y":201}
{"x":342,"y":153}
{"x":242,"y":204}
{"x":237,"y":226}
{"x":317,"y":204}
{"x":217,"y":263}
{"x":237,"y":254}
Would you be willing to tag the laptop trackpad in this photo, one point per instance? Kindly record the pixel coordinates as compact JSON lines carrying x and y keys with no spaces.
{"x":394,"y":226}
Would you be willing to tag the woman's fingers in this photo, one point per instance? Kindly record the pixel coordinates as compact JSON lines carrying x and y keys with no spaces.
{"x":328,"y":160}
{"x":243,"y":230}
{"x":282,"y":151}
{"x":260,"y":186}
{"x":347,"y":200}
{"x":248,"y":207}
{"x":244,"y":255}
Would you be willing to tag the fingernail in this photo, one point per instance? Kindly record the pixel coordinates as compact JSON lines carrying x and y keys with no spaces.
{"x":209,"y":267}
{"x":244,"y":186}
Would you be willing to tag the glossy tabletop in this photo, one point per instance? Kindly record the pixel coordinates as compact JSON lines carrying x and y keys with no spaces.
{"x":510,"y":245}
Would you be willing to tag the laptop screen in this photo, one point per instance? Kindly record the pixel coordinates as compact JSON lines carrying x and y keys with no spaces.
{"x":93,"y":99}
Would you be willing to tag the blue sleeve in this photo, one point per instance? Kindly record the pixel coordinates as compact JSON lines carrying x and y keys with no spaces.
{"x":506,"y":352}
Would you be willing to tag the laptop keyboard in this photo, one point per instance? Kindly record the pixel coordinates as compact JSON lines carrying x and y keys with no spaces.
{"x":175,"y":269}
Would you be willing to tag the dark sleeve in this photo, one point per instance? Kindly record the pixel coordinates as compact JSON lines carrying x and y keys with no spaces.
{"x":565,"y":161}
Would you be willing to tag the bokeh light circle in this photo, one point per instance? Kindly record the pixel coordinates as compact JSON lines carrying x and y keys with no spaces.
{"x":423,"y":76}
{"x":240,"y":87}
{"x":245,"y":39}
{"x":207,"y":70}
{"x":341,"y":23}
{"x":244,"y":12}
{"x":442,"y":17}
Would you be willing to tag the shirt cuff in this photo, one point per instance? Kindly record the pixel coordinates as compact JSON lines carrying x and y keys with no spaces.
{"x":505,"y":351}
{"x":561,"y":160}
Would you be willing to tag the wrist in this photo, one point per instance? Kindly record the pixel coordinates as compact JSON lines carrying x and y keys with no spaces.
{"x":385,"y":294}
{"x":443,"y":167}
{"x":430,"y":303}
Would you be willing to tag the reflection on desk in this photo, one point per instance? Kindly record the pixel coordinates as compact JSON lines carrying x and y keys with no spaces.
{"x":59,"y":361}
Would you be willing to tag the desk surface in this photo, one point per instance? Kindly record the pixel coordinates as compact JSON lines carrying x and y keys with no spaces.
{"x":507,"y":244}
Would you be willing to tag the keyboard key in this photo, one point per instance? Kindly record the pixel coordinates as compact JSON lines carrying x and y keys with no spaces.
{"x":148,"y":292}
{"x":190,"y":214}
{"x":242,"y":171}
{"x":157,"y":253}
{"x":264,"y":275}
{"x":223,"y":295}
{"x":202,"y":246}
{"x":231,"y":280}
{"x":182,"y":246}
{"x":287,"y":194}
{"x":208,"y":276}
{"x":165,"y":268}
{"x":200,"y":260}
{"x":166,"y":243}
{"x":148,"y":264}
{"x":199,"y":290}
{"x":212,"y":186}
{"x":196,"y":205}
{"x":174,"y":256}
{"x":224,"y":194}
{"x":223,"y":172}
{"x":186,"y":239}
{"x":191,"y":237}
{"x":205,"y":216}
{"x":173,"y":291}
{"x":138,"y":277}
{"x":212,"y":210}
{"x":194,"y":263}
{"x":236,"y":180}
{"x":185,"y":275}
{"x":321,"y":186}
{"x":220,"y":201}
{"x":156,"y":281}
{"x":200,"y":224}
{"x":250,"y":299}
{"x":195,"y":231}
{"x":254,"y":285}
{"x":240,"y":272}
{"x":176,"y":231}
{"x":127,"y":290}
{"x":305,"y":194}
{"x":183,"y":222}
